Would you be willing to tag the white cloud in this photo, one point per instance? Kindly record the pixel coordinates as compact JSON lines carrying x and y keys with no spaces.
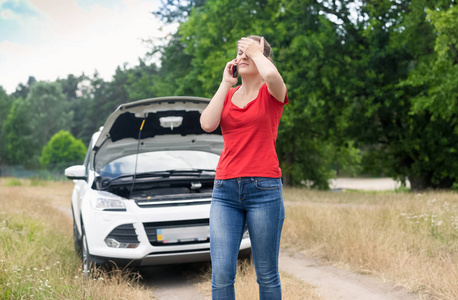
{"x":72,"y":40}
{"x":8,"y":14}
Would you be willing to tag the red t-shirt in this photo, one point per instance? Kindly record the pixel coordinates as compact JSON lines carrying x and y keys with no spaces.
{"x":250,"y":136}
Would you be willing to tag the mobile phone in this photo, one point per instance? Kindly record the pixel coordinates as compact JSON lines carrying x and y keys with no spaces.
{"x":235,"y":73}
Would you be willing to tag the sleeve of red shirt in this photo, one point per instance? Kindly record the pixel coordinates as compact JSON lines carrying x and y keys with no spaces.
{"x":276,"y":100}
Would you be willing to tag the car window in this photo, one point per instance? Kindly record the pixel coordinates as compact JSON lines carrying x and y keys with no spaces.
{"x":160,"y":161}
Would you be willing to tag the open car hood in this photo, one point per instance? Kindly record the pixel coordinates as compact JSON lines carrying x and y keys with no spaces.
{"x":166,"y":123}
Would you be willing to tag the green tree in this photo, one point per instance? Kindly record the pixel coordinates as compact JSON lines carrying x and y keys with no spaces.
{"x":175,"y":66}
{"x":345,"y":64}
{"x":22,"y":90}
{"x":431,"y":152}
{"x":140,"y":83}
{"x":310,"y":53}
{"x":100,"y":98}
{"x":19,"y":147}
{"x":177,"y":11}
{"x":76,"y":89}
{"x":49,"y":110}
{"x":62,"y":150}
{"x":31,"y":122}
{"x":314,"y":57}
{"x":70,"y":86}
{"x":96,"y":100}
{"x":5,"y":105}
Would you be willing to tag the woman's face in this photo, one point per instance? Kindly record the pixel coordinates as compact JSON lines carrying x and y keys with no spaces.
{"x":245,"y":65}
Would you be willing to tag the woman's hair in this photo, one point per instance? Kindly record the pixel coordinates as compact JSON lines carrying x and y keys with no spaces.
{"x":267,"y":49}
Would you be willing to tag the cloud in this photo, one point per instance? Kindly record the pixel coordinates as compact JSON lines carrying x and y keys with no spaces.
{"x":71,"y":37}
{"x":7,"y":14}
{"x":19,"y":21}
{"x":87,"y":4}
{"x":19,"y":7}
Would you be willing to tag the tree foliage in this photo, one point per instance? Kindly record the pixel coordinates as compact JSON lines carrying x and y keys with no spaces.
{"x":22,"y":90}
{"x":62,"y":150}
{"x":371,"y":84}
{"x":5,"y":105}
{"x":16,"y":135}
{"x":32,"y":121}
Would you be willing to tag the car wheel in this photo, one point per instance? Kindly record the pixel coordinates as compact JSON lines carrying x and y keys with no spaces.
{"x":76,"y":238}
{"x":86,"y":258}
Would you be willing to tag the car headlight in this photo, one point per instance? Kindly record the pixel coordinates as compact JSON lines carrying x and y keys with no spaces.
{"x":112,"y":243}
{"x":107,"y":203}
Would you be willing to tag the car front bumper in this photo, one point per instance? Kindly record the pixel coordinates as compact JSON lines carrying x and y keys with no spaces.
{"x":99,"y":224}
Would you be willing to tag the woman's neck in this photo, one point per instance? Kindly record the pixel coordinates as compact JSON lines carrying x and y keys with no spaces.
{"x":252,"y":84}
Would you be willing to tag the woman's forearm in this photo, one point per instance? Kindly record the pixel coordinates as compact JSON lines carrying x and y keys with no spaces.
{"x":211,"y":116}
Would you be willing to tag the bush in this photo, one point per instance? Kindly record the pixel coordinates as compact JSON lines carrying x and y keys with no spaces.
{"x":62,"y":150}
{"x":13,"y":182}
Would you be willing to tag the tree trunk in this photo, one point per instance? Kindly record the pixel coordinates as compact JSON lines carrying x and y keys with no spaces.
{"x":422,"y":183}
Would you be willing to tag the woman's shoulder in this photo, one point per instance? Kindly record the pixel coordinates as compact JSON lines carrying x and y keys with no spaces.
{"x":231,"y":92}
{"x":264,"y":92}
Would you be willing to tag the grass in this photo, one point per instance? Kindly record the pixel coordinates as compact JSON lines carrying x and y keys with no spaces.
{"x":35,"y":181}
{"x":407,"y":239}
{"x":14,"y":182}
{"x":37,"y":260}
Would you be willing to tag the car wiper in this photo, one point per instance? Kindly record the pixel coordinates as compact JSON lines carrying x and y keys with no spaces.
{"x":174,"y":172}
{"x":145,"y":174}
{"x":106,"y":182}
{"x":191,"y":171}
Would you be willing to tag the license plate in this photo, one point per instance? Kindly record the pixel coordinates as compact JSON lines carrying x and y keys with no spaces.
{"x":183,"y":234}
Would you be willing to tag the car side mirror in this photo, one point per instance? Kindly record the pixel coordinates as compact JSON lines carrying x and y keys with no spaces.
{"x":76,"y":172}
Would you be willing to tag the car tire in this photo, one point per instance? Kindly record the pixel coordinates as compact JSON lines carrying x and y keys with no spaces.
{"x":87,"y":262}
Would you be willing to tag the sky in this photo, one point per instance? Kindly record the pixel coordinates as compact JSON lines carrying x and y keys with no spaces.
{"x":49,"y":39}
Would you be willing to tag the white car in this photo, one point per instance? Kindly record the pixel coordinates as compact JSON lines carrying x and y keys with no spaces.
{"x":143,"y":195}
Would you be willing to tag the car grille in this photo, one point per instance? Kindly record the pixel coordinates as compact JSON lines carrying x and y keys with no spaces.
{"x":152,"y":229}
{"x":174,"y":200}
{"x":124,"y":234}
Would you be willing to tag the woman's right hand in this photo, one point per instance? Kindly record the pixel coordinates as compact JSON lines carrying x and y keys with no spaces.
{"x":211,"y":116}
{"x":227,"y":75}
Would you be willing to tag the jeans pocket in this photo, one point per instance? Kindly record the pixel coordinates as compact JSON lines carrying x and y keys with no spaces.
{"x":267,"y":183}
{"x":217,"y":183}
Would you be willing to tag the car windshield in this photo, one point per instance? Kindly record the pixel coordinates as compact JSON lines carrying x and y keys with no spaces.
{"x":160,"y":161}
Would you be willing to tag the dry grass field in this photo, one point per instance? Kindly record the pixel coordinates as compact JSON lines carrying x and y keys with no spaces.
{"x":37,"y":260}
{"x":406,"y":239}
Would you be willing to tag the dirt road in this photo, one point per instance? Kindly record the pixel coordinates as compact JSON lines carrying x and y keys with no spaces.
{"x":334,"y":283}
{"x":176,"y":282}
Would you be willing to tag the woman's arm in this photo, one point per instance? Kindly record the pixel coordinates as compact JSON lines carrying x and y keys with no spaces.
{"x":266,"y":68}
{"x":211,"y":116}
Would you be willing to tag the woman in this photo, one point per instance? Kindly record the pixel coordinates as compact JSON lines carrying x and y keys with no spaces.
{"x":248,"y":187}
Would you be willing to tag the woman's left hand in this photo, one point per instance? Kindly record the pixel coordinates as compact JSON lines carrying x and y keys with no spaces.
{"x":251,"y":47}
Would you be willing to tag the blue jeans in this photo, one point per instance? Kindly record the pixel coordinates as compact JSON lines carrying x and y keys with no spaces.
{"x":258,"y":202}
